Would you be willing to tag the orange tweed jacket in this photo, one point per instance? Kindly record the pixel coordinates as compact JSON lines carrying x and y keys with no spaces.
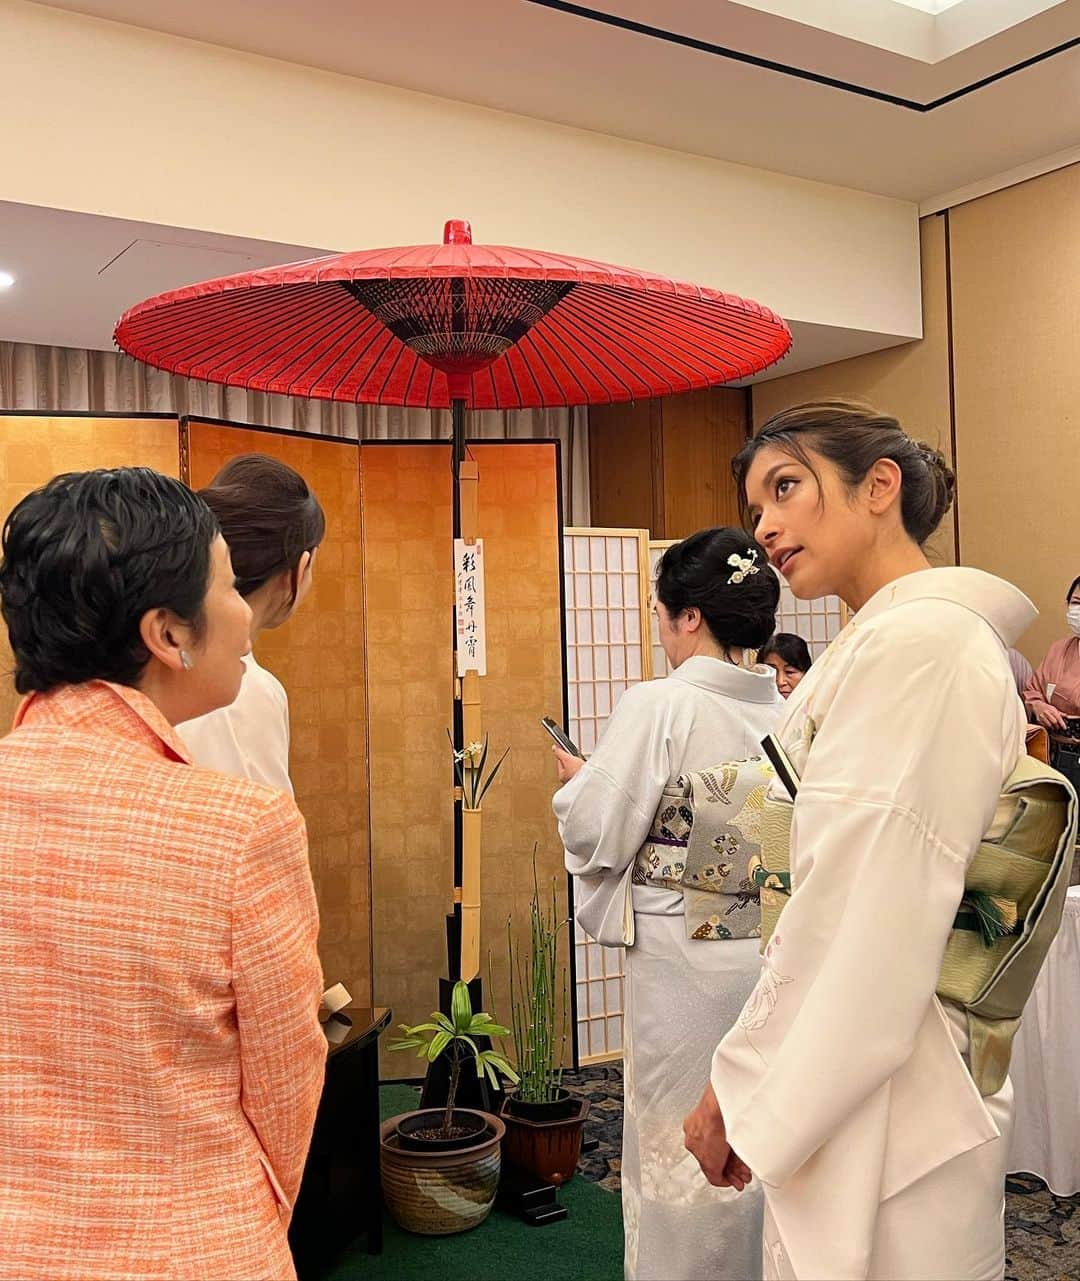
{"x":161,"y":1057}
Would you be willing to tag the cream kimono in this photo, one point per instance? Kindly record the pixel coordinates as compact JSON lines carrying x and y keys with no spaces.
{"x":681,"y":995}
{"x":843,"y":1083}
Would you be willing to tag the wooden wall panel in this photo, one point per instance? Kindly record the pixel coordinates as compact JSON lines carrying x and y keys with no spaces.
{"x":702,"y":432}
{"x":318,"y":655}
{"x":408,"y":592}
{"x":665,"y":465}
{"x":625,"y":456}
{"x":35,"y":448}
{"x":1016,"y":316}
{"x":911,"y":381}
{"x":519,"y":521}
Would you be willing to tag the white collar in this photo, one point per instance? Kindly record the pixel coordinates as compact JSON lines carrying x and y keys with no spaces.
{"x":754,"y":685}
{"x":1003,"y":606}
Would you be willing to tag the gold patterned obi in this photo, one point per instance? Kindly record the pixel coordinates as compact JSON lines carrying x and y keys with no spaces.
{"x":705,"y":831}
{"x":1014,"y":895}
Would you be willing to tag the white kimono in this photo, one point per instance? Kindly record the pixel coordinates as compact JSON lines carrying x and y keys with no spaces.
{"x":680,"y":996}
{"x":843,"y":1084}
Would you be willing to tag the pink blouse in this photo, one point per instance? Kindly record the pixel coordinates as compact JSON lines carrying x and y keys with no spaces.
{"x":1057,"y":679}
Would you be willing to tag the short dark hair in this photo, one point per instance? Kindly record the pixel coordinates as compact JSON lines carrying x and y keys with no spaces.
{"x":697,"y":573}
{"x":1068,"y":594}
{"x":790,"y":649}
{"x":85,"y":557}
{"x":855,"y":437}
{"x":268,"y":516}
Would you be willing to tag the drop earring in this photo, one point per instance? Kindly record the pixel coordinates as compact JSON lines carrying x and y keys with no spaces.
{"x":185,"y":660}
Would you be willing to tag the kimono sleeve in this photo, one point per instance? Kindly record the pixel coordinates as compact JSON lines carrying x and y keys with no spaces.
{"x":606,"y":810}
{"x":899,"y":788}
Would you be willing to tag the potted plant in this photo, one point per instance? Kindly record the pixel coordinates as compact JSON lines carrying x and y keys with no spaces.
{"x":544,"y":1121}
{"x":440,"y":1166}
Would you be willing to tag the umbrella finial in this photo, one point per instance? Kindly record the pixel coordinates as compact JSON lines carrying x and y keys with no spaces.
{"x":457,"y":232}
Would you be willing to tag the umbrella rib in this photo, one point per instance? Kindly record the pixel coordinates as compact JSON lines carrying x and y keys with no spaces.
{"x":346,"y":326}
{"x":281,"y":377}
{"x":650,"y":359}
{"x":353,"y":363}
{"x":224,"y":322}
{"x":597,"y":352}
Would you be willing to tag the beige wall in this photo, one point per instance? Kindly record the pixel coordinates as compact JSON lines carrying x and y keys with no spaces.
{"x":192,"y":135}
{"x":910,"y":382}
{"x":1016,"y":330}
{"x":1015,"y":269}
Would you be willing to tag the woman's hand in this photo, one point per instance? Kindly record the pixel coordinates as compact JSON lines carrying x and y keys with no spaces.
{"x":1048,"y":717}
{"x":705,"y":1137}
{"x":566,"y":766}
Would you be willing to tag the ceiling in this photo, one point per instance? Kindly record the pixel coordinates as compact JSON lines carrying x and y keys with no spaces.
{"x":906,"y":98}
{"x":77,"y":273}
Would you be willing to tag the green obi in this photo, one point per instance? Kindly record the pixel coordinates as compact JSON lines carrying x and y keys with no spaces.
{"x":706,"y":830}
{"x":1014,"y":894}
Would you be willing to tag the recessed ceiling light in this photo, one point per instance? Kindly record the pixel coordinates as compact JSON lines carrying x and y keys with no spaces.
{"x":6,"y":279}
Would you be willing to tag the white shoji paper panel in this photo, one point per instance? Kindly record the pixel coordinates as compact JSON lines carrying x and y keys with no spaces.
{"x":816,"y":621}
{"x":606,"y":606}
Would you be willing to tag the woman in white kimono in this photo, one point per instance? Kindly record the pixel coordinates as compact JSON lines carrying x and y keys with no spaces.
{"x":273,"y":525}
{"x":844,"y":1085}
{"x":680,"y":995}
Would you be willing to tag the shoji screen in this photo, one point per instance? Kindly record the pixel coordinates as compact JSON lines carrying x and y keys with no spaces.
{"x":607,"y":650}
{"x":34,"y":448}
{"x":816,"y":621}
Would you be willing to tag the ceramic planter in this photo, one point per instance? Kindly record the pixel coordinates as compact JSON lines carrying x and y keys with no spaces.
{"x":443,"y":1189}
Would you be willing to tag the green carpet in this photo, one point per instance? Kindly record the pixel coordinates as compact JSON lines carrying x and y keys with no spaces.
{"x":586,"y":1246}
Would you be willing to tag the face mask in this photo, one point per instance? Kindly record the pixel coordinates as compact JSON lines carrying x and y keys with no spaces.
{"x":1072,"y":619}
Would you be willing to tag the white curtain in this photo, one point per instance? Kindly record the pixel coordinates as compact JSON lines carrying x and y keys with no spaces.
{"x":68,"y":378}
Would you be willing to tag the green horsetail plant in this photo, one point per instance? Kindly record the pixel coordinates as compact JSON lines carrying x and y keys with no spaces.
{"x":535,"y":986}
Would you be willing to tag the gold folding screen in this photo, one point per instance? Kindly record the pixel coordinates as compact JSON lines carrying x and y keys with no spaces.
{"x":34,"y":448}
{"x":407,"y":495}
{"x":319,"y":657}
{"x":519,"y":520}
{"x":408,"y":599}
{"x":367,"y":666}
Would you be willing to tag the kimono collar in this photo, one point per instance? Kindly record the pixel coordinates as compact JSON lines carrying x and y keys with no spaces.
{"x":753,"y":685}
{"x":1003,"y":606}
{"x":102,"y":708}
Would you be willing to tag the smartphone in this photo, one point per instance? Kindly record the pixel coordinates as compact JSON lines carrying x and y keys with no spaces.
{"x":561,"y":737}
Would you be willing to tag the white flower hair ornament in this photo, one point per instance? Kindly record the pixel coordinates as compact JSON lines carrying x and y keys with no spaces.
{"x":744,"y":566}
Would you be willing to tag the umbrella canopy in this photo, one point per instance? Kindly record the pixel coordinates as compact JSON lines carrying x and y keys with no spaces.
{"x":496,"y":327}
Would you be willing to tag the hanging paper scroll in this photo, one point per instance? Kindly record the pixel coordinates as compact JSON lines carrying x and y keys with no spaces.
{"x":471,"y":624}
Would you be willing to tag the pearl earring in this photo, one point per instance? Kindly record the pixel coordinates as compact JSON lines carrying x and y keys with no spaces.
{"x":185,"y":660}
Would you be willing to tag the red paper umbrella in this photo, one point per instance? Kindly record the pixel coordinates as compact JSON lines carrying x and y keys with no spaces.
{"x":425,"y":325}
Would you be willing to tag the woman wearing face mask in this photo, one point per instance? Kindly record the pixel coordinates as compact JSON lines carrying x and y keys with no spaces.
{"x":161,"y":1048}
{"x":273,"y":525}
{"x":715,"y":604}
{"x":789,"y":657}
{"x":1052,"y":695}
{"x":847,"y":1085}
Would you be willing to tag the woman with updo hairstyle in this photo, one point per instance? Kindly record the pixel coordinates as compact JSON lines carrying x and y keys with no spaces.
{"x":273,"y":525}
{"x":789,"y":657}
{"x":847,"y":1085}
{"x":162,"y":1054}
{"x":715,"y":603}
